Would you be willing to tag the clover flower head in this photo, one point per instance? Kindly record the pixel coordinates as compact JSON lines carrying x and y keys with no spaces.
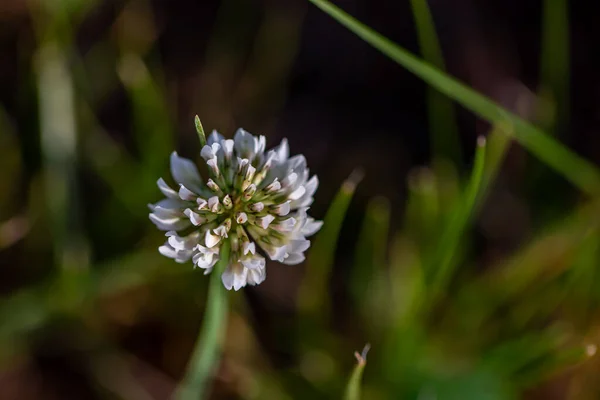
{"x":256,"y":200}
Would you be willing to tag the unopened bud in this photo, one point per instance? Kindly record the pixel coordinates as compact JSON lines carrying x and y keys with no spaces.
{"x":249,"y":192}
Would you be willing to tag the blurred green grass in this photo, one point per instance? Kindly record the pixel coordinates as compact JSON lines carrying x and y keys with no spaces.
{"x":441,"y":323}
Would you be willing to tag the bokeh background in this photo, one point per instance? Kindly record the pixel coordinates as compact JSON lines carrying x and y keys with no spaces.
{"x":96,"y":94}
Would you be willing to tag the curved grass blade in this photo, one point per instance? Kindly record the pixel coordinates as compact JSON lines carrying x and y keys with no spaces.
{"x":314,"y":288}
{"x":442,"y":117}
{"x":554,"y":63}
{"x":578,"y":171}
{"x":371,"y":248}
{"x":449,"y":244}
{"x":353,"y":388}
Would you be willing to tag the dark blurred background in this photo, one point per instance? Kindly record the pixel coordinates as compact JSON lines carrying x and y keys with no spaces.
{"x":125,"y":79}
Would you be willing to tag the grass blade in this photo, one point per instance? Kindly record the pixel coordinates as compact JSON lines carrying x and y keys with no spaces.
{"x":442,"y":118}
{"x":151,"y":121}
{"x":371,"y":248}
{"x":314,"y":288}
{"x":449,"y":244}
{"x":353,"y":388}
{"x":554,"y":64}
{"x":578,"y":171}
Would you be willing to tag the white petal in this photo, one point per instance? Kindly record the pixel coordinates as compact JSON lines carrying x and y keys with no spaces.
{"x":256,"y":262}
{"x":275,"y":253}
{"x":220,"y":231}
{"x":202,"y":204}
{"x":196,"y":218}
{"x":186,"y":194}
{"x":297,"y":163}
{"x":298,"y":246}
{"x":166,"y":189}
{"x":212,"y":164}
{"x":282,"y":151}
{"x":294,"y":258}
{"x":213,"y":202}
{"x":185,"y":172}
{"x":244,"y":144}
{"x":211,"y":240}
{"x":261,"y":143}
{"x":249,"y":247}
{"x":242,"y":218}
{"x":167,"y":251}
{"x":210,"y":151}
{"x":286,"y":225}
{"x":282,"y":209}
{"x":234,"y":277}
{"x":165,"y":213}
{"x":188,"y":242}
{"x":311,"y":227}
{"x":256,"y":276}
{"x":179,"y":256}
{"x":169,"y":224}
{"x":214,"y":137}
{"x":289,"y":180}
{"x":307,"y":198}
{"x":275,"y":186}
{"x":298,"y":193}
{"x":265,"y":221}
{"x":205,"y":260}
{"x":228,"y":148}
{"x":175,"y":205}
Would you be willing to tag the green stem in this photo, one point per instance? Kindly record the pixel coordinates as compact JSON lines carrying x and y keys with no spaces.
{"x":206,"y":354}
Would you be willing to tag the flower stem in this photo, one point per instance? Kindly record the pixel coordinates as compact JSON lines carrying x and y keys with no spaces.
{"x":207,"y":351}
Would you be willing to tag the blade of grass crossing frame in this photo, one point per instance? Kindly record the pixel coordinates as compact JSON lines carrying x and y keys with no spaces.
{"x":554,"y":63}
{"x":442,"y":118}
{"x":574,"y":168}
{"x":314,"y":287}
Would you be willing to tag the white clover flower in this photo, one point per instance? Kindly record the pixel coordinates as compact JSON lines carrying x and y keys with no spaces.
{"x":255,"y":200}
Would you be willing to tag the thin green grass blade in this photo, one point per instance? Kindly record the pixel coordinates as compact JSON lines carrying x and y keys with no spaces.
{"x":314,"y":288}
{"x":370,"y":255}
{"x":442,"y":118}
{"x":423,"y":209}
{"x":498,"y":142}
{"x":449,"y":244}
{"x":554,"y":64}
{"x":578,"y":171}
{"x":353,"y":388}
{"x":59,"y":145}
{"x":151,"y":120}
